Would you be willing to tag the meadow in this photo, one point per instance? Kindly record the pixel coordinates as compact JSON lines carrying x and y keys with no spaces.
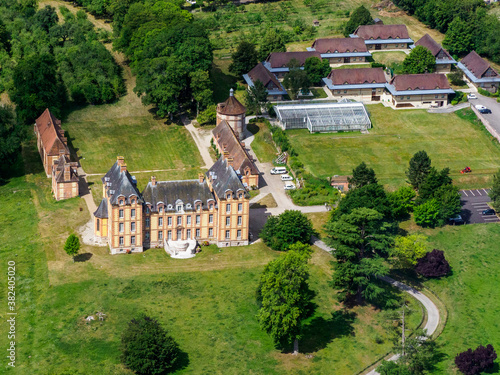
{"x":450,"y":140}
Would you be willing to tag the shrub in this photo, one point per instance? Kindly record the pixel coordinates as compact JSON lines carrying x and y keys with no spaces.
{"x":474,"y":362}
{"x":433,"y":264}
{"x":484,"y":92}
{"x":377,"y":65}
{"x":284,"y":230}
{"x":427,"y":214}
{"x":456,"y":78}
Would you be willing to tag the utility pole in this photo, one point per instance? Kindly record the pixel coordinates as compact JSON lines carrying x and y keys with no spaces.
{"x":403,"y":338}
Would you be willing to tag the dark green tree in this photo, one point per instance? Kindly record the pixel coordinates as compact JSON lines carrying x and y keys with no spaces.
{"x":427,"y":214}
{"x":147,"y":348}
{"x":256,"y":97}
{"x":402,"y":202}
{"x":434,"y":180}
{"x":201,"y":89}
{"x":420,"y":166}
{"x":459,"y":39}
{"x":4,"y":37}
{"x":282,"y":231}
{"x":316,"y":69}
{"x":10,"y":137}
{"x":273,"y":41}
{"x":244,"y":58}
{"x":362,"y":176}
{"x":449,"y":199}
{"x":46,"y":18}
{"x":361,"y":240}
{"x":296,"y":81}
{"x":369,"y":196}
{"x":37,"y":86}
{"x":495,"y":191}
{"x":420,"y":60}
{"x":72,"y":245}
{"x":285,"y":296}
{"x":360,"y":16}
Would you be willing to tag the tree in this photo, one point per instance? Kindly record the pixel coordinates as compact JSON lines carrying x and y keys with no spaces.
{"x":316,"y":69}
{"x":4,"y":37}
{"x":475,"y":362}
{"x":449,"y":200}
{"x":244,"y":58}
{"x":369,"y":196}
{"x":427,"y":214}
{"x":273,"y":41}
{"x":208,"y":116}
{"x":434,"y":180}
{"x":420,"y":166}
{"x":284,"y":230}
{"x":10,"y":137}
{"x":72,"y":245}
{"x":456,"y":78}
{"x":256,"y":97}
{"x":433,"y":264}
{"x":361,"y":241}
{"x":296,"y":80}
{"x":409,"y":249}
{"x":393,"y":368}
{"x":362,"y":175}
{"x":37,"y":86}
{"x":495,"y":191}
{"x":147,"y":348}
{"x":46,"y":18}
{"x":360,"y":16}
{"x":420,"y":60}
{"x":285,"y":297}
{"x":459,"y":39}
{"x":201,"y":89}
{"x":402,"y":201}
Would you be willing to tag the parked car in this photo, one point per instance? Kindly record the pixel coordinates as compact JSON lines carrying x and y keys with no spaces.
{"x":471,"y":96}
{"x":278,"y":170}
{"x":289,"y":186}
{"x":484,"y":110}
{"x":489,"y":211}
{"x":457,"y":220}
{"x":286,"y":177}
{"x":479,"y":107}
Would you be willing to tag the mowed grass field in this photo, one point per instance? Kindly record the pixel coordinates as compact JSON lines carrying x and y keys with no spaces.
{"x":396,"y":136}
{"x":471,"y":293}
{"x":207,"y":303}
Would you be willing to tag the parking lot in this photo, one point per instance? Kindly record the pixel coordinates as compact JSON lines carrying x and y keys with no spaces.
{"x":474,"y":202}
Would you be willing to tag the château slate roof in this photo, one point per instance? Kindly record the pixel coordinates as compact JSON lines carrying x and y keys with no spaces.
{"x":59,"y":166}
{"x":231,"y":106}
{"x":357,"y":76}
{"x":427,"y":81}
{"x":281,"y":59}
{"x":224,"y":178}
{"x":382,"y":32}
{"x":433,"y":46}
{"x":102,"y":210}
{"x":51,"y":133}
{"x":169,"y":192}
{"x":477,"y":65}
{"x":119,"y":184}
{"x":339,"y":45}
{"x":225,"y":136}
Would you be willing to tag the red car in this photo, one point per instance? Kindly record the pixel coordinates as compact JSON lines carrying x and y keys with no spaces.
{"x":466,"y":170}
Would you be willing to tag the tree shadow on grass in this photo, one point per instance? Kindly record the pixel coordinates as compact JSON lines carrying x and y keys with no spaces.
{"x":182,"y":361}
{"x":495,"y":369}
{"x":83,"y":257}
{"x":320,"y":331}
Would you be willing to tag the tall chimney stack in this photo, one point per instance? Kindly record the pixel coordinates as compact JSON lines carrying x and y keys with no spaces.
{"x":67,"y":172}
{"x":201,"y":177}
{"x":230,"y":161}
{"x":153,"y":180}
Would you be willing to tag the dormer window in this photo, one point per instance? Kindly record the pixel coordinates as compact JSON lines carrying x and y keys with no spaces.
{"x":198,"y":206}
{"x":188,"y":206}
{"x":121,"y":202}
{"x":132,"y":201}
{"x":240,"y":195}
{"x":228,"y":196}
{"x":355,"y":50}
{"x":147,"y":209}
{"x":347,"y":51}
{"x":178,"y":207}
{"x":417,"y":88}
{"x":336,"y":51}
{"x":408,"y":89}
{"x":160,"y":209}
{"x":170,"y":207}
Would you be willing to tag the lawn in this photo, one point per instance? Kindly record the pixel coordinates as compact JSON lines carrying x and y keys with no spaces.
{"x":262,"y":145}
{"x":207,"y":303}
{"x":449,"y":140}
{"x":389,"y":58}
{"x":471,"y":293}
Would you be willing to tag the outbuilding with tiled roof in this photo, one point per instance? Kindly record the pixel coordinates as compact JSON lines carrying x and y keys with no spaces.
{"x":341,"y":50}
{"x":383,"y":37}
{"x":362,"y":84}
{"x":275,"y":90}
{"x":479,"y":72}
{"x":444,"y":61}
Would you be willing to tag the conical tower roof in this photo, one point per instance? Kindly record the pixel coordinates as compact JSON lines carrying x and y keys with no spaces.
{"x":231,"y":106}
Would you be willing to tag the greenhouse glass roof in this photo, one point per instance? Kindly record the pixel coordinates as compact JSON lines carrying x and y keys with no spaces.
{"x":323,"y":117}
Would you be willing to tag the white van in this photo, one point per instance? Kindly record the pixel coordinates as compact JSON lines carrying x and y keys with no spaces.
{"x":278,"y":170}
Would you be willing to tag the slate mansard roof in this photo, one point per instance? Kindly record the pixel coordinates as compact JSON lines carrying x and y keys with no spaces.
{"x":170,"y":192}
{"x":102,"y":210}
{"x":223,"y":178}
{"x":120,"y":183}
{"x":60,"y":164}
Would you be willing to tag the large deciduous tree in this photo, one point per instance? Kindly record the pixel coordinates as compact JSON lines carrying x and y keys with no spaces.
{"x":370,"y":196}
{"x":285,"y":296}
{"x":282,"y":231}
{"x":420,"y":166}
{"x":427,"y":213}
{"x":147,"y":348}
{"x":272,"y":41}
{"x":36,"y":86}
{"x":420,"y":60}
{"x":495,"y":191}
{"x":360,"y":16}
{"x":10,"y":137}
{"x":474,"y":362}
{"x":361,"y":241}
{"x":409,"y":249}
{"x":296,"y":81}
{"x":459,"y":39}
{"x":433,"y":264}
{"x":244,"y":58}
{"x":201,"y":88}
{"x":256,"y":97}
{"x":316,"y":69}
{"x":362,"y":175}
{"x":402,"y":202}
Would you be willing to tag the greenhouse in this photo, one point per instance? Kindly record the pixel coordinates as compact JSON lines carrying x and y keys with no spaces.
{"x":323,"y":117}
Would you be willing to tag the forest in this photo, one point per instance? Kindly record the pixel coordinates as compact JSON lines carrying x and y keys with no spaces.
{"x":466,"y":24}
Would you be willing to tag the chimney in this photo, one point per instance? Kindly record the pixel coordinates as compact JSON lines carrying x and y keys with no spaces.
{"x":120,"y":160}
{"x":230,"y":162}
{"x":62,"y":151}
{"x":67,"y":172}
{"x":226,"y":154}
{"x":153,"y":180}
{"x":123,"y":167}
{"x":231,"y":92}
{"x":64,"y":140}
{"x":201,"y":177}
{"x":242,"y":144}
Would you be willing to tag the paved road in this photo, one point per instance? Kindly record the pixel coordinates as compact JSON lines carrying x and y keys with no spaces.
{"x":474,"y":202}
{"x":491,"y":103}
